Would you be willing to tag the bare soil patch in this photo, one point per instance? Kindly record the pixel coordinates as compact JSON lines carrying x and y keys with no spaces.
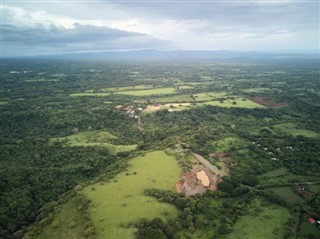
{"x":197,"y":181}
{"x":266,"y":102}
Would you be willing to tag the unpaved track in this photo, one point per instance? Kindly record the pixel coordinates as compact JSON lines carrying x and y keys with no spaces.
{"x":208,"y":165}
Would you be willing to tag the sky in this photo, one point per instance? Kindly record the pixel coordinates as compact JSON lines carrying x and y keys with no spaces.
{"x":58,"y":27}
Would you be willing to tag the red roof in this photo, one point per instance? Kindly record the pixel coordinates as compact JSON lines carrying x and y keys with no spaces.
{"x":311,"y":220}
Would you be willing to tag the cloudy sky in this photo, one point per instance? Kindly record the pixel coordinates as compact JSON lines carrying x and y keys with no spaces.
{"x":55,"y":27}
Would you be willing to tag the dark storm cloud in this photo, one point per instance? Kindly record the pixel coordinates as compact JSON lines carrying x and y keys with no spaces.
{"x":79,"y":38}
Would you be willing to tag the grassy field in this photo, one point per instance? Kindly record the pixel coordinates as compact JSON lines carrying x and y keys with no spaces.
{"x":170,"y":99}
{"x":283,"y":175}
{"x":122,"y":201}
{"x":127,"y":88}
{"x":155,"y":91}
{"x":237,"y":102}
{"x":89,"y":94}
{"x":262,"y":221}
{"x":291,"y":129}
{"x":285,"y":193}
{"x":310,"y":229}
{"x":227,"y":143}
{"x":170,"y":106}
{"x":94,"y":138}
{"x":314,"y":188}
{"x":209,"y":96}
{"x":60,"y":227}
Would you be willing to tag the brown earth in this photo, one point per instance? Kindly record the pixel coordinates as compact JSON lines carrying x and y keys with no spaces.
{"x":266,"y":102}
{"x":191,"y":185}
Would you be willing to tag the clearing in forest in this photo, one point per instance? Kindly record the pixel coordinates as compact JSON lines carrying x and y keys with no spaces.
{"x":235,"y":102}
{"x":122,"y":201}
{"x":292,"y":129}
{"x":94,"y":138}
{"x":146,"y":92}
{"x":170,"y":107}
{"x":262,"y":220}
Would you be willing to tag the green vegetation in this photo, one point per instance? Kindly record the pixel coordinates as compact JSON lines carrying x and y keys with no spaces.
{"x":286,"y":193}
{"x":94,"y":138}
{"x":236,"y":102}
{"x":309,"y":229}
{"x":122,"y":201}
{"x":292,"y":129}
{"x":263,"y":220}
{"x":89,"y":94}
{"x":67,"y":141}
{"x":155,"y":91}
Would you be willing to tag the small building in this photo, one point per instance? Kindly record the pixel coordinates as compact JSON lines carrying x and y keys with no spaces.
{"x":311,"y":220}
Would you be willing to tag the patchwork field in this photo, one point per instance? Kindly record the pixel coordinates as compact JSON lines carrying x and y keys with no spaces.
{"x":94,"y":138}
{"x":263,"y":220}
{"x":122,"y":201}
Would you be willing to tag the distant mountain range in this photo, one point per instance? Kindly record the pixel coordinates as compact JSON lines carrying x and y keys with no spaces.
{"x":172,"y":55}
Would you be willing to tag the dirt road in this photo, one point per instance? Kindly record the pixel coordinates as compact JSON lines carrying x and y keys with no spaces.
{"x":208,"y":165}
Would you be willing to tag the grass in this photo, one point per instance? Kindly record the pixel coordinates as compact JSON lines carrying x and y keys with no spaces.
{"x":237,"y":102}
{"x":263,"y":220}
{"x":314,"y":188}
{"x":94,"y":138}
{"x":126,"y":88}
{"x":209,"y":96}
{"x":155,"y":91}
{"x":284,"y":176}
{"x":89,"y":94}
{"x":310,"y":229}
{"x":291,"y":129}
{"x":170,"y":106}
{"x":170,"y":99}
{"x":59,"y":228}
{"x":122,"y":201}
{"x":285,"y":193}
{"x":228,"y":143}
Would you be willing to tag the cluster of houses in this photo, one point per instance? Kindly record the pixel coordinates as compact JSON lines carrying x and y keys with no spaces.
{"x":131,"y":111}
{"x":269,"y":152}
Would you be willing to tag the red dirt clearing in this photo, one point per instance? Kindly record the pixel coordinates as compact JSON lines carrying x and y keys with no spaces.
{"x":266,"y":102}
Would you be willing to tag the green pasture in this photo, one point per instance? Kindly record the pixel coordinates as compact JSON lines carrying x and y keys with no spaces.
{"x":154,"y":91}
{"x":263,"y":220}
{"x":291,"y":129}
{"x":127,"y":88}
{"x":68,"y":223}
{"x":285,"y":193}
{"x":208,"y":96}
{"x":94,"y":138}
{"x":237,"y":103}
{"x":89,"y":94}
{"x":122,"y":201}
{"x":284,"y":176}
